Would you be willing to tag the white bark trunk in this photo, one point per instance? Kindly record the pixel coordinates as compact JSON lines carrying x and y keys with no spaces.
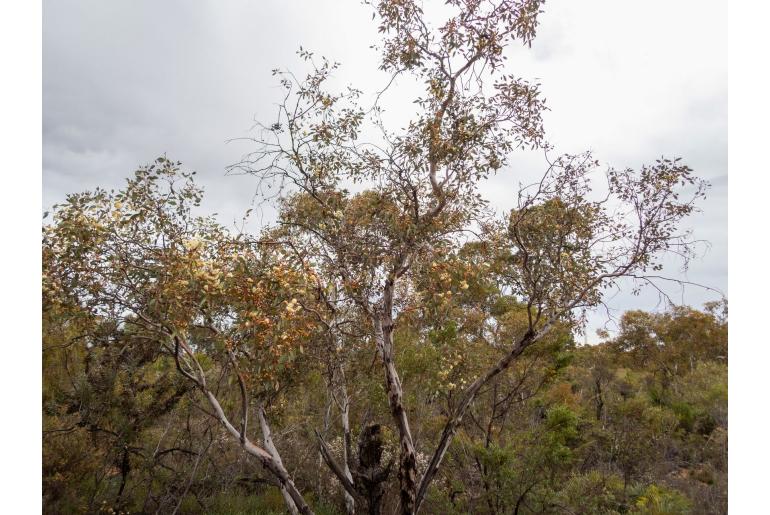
{"x":267,"y":437}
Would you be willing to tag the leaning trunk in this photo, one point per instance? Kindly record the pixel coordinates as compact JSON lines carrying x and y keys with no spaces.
{"x":271,"y":448}
{"x":265,"y":457}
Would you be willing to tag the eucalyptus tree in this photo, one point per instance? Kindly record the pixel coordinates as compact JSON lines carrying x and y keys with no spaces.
{"x":417,"y":195}
{"x":237,"y":314}
{"x":225,"y":312}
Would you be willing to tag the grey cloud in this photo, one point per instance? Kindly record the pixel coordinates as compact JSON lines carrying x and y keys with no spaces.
{"x":126,"y":81}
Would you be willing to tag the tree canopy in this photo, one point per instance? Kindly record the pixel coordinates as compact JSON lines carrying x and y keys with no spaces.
{"x":389,"y":304}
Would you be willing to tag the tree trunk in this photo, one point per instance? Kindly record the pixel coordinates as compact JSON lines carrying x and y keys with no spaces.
{"x":599,"y":400}
{"x":467,"y":399}
{"x":125,"y":469}
{"x":270,"y":460}
{"x":267,"y":459}
{"x":270,"y":447}
{"x":370,"y":474}
{"x":407,"y":466}
{"x":350,"y":502}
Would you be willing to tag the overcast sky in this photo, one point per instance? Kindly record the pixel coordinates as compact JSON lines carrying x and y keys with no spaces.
{"x":125,"y":81}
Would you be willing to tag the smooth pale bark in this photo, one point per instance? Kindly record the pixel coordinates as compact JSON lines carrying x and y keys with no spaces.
{"x":266,"y":458}
{"x":267,"y":437}
{"x":407,"y":467}
{"x":350,"y":502}
{"x":335,"y":467}
{"x":342,"y":400}
{"x":338,"y":395}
